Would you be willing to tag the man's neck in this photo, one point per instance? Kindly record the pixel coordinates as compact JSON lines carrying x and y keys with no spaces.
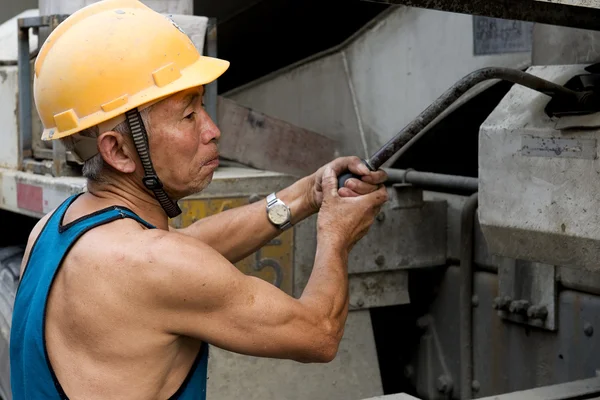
{"x":127,"y":194}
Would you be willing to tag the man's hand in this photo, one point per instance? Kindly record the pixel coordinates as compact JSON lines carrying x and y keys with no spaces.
{"x":369,"y":182}
{"x":345,"y":221}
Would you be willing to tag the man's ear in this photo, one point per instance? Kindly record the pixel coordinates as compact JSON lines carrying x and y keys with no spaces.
{"x":116,"y":151}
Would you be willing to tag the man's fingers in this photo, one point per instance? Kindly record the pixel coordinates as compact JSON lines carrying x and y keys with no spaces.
{"x":357,"y":166}
{"x":345,"y":192}
{"x":329,"y":183}
{"x":343,"y":164}
{"x":360,"y":187}
{"x":378,"y":197}
{"x":375,"y":177}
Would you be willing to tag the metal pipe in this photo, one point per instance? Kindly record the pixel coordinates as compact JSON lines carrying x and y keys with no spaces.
{"x":24,"y":68}
{"x":460,"y":88}
{"x":429,"y":180}
{"x":466,"y":295}
{"x":211,"y":90}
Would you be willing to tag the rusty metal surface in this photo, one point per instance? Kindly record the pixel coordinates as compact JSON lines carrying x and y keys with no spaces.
{"x":263,"y":142}
{"x":402,"y":239}
{"x":527,"y":293}
{"x":583,"y":14}
{"x":467,"y":245}
{"x":508,"y":357}
{"x":436,"y":364}
{"x":379,"y":289}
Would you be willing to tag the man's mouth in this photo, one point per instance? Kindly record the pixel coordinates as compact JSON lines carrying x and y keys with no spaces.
{"x":212,"y":163}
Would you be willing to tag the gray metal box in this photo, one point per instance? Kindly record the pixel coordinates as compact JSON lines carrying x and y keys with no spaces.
{"x":540,"y":179}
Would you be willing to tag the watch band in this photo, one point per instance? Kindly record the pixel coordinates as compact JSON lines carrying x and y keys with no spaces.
{"x":285,"y":226}
{"x":271,"y":200}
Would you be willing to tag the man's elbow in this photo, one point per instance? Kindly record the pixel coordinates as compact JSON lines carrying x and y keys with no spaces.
{"x":327,"y":354}
{"x":326,"y":343}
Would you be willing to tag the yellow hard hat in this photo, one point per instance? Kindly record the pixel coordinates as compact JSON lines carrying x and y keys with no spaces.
{"x":110,"y":57}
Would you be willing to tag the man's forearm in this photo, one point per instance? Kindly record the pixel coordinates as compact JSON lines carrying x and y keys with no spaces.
{"x":239,"y":232}
{"x":327,"y":289}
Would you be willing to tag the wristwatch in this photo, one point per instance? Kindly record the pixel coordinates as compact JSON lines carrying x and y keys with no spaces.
{"x":278,"y":213}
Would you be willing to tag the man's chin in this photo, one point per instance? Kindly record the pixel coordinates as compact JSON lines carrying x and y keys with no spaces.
{"x":199,"y":187}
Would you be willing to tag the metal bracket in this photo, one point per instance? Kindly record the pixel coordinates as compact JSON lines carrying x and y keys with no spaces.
{"x":25,"y":84}
{"x":403,"y":238}
{"x":405,"y":195}
{"x":210,"y":50}
{"x":527,"y":293}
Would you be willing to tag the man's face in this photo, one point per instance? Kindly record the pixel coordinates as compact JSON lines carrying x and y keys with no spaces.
{"x":183,"y":143}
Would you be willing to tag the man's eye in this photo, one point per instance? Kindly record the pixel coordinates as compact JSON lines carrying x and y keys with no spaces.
{"x":190,"y":115}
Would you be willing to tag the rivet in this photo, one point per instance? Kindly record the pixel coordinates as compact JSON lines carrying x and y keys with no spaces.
{"x":444,"y":384}
{"x":588,"y":329}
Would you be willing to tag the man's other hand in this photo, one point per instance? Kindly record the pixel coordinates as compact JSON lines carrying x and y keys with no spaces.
{"x":369,"y":182}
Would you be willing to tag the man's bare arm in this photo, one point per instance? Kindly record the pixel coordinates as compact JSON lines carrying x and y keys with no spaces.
{"x":193,"y":290}
{"x":239,"y":232}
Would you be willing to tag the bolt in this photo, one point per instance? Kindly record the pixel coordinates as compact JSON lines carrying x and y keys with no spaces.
{"x":380,"y":260}
{"x":502,"y":303}
{"x":588,"y":329}
{"x":423,"y":322}
{"x":537,"y":312}
{"x":444,"y":384}
{"x":380,"y":217}
{"x":475,"y":300}
{"x":360,"y":302}
{"x":409,"y":371}
{"x":475,"y":386}
{"x":519,"y":307}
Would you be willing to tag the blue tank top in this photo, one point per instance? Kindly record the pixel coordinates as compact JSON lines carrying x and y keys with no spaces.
{"x":32,"y":376}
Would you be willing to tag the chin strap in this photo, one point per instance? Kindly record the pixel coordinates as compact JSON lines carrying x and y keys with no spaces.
{"x":151,"y":181}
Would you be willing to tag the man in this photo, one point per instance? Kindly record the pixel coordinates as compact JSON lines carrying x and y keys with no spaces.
{"x":114,"y":304}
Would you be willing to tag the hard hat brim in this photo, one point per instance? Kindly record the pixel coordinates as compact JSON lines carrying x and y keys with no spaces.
{"x":205,"y":70}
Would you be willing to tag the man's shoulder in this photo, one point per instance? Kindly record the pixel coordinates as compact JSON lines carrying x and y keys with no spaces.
{"x":127,"y":244}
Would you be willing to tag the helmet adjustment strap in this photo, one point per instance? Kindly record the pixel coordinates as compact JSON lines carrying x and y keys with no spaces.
{"x":150,"y":179}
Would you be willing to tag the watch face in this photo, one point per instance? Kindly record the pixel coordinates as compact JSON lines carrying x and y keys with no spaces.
{"x":278,"y":214}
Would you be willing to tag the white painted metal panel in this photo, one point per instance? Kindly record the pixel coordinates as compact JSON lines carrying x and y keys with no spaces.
{"x":404,"y":64}
{"x":395,"y":69}
{"x":538,"y":193}
{"x":9,"y":35}
{"x":9,"y":150}
{"x":35,"y":195}
{"x":315,"y":96}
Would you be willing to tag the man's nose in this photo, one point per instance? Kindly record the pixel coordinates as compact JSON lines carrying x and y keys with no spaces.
{"x":210,"y":131}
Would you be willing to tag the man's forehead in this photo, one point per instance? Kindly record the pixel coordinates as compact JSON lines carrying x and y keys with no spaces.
{"x":179,"y":101}
{"x":182,"y":99}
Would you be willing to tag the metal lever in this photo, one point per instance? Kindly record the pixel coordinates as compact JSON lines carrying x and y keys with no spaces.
{"x":588,"y":100}
{"x":344,"y":177}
